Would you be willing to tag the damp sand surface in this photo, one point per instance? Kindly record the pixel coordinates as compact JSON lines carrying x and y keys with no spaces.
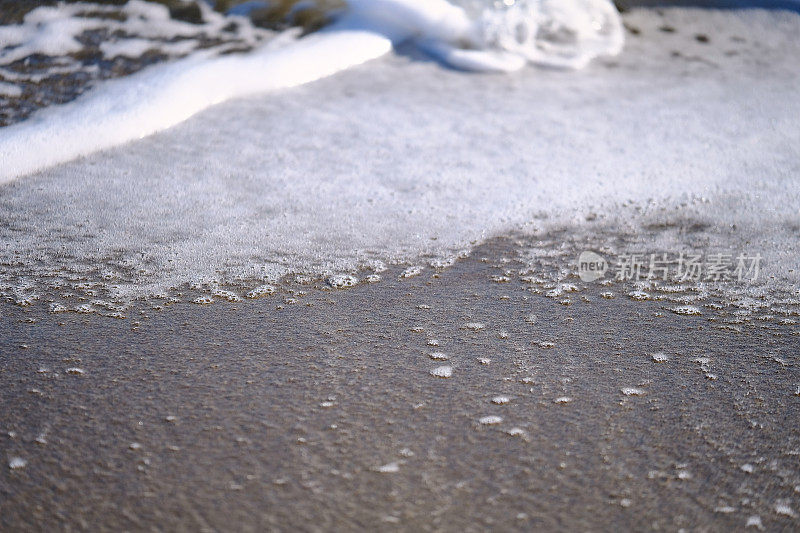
{"x":324,"y":414}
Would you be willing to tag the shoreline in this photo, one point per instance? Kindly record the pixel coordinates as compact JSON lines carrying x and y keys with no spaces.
{"x":413,"y":320}
{"x":324,"y":414}
{"x":403,"y":160}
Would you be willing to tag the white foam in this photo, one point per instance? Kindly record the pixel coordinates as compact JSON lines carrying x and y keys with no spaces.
{"x":137,"y":47}
{"x":389,"y":468}
{"x":632,"y":391}
{"x":342,"y":281}
{"x":401,"y":161}
{"x":16,"y":463}
{"x":227,"y":295}
{"x":131,"y":29}
{"x":9,"y":89}
{"x":554,"y":33}
{"x":166,"y":95}
{"x":561,"y":33}
{"x":48,"y":31}
{"x":783,"y":508}
{"x":689,"y":310}
{"x":261,"y":290}
{"x":445,"y":371}
{"x":754,"y":521}
{"x":411,"y":272}
{"x":163,"y":96}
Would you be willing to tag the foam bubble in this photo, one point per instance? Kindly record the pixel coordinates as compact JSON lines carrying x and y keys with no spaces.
{"x":516,"y":432}
{"x":16,"y":463}
{"x":783,"y":508}
{"x":9,"y":89}
{"x":491,"y":420}
{"x":389,"y":468}
{"x":632,"y":391}
{"x":58,"y":308}
{"x":411,"y":272}
{"x":687,"y":310}
{"x":442,"y":262}
{"x":227,"y":295}
{"x":342,"y":281}
{"x":261,"y":290}
{"x":444,"y":371}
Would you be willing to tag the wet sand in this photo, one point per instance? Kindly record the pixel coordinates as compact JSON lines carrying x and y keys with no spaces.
{"x":323,"y":415}
{"x":501,"y":393}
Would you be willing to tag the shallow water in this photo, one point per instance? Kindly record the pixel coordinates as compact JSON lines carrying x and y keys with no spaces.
{"x":664,"y":148}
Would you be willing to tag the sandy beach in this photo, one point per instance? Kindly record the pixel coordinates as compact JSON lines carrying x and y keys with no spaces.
{"x":397,"y":298}
{"x":323,"y":414}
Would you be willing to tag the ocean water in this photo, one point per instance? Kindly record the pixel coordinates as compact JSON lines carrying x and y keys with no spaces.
{"x":429,"y":128}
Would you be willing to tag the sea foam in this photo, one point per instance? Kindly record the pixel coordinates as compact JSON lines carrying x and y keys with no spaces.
{"x":402,"y":162}
{"x":562,"y":33}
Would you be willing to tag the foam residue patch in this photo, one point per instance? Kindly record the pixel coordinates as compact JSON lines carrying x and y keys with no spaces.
{"x":403,"y":161}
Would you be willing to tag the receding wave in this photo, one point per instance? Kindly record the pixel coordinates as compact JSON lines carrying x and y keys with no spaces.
{"x":555,"y":33}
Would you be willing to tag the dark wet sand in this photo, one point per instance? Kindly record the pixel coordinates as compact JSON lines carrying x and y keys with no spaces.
{"x":254,"y":446}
